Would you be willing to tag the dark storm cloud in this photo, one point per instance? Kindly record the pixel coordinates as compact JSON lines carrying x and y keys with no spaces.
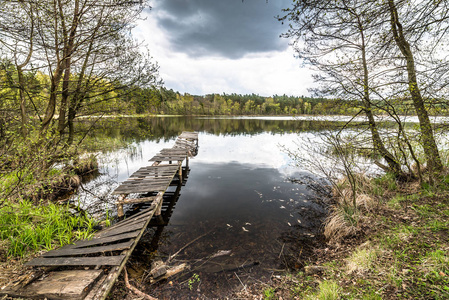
{"x":227,"y":28}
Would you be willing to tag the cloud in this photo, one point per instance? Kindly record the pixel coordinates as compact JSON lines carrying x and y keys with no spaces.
{"x":252,"y":60}
{"x":224,"y":28}
{"x":268,"y":74}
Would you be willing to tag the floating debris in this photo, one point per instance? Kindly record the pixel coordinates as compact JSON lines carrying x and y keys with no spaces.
{"x":289,"y":224}
{"x":282,"y":207}
{"x":245,"y":230}
{"x":259,"y":193}
{"x":248,"y":223}
{"x":221,"y":253}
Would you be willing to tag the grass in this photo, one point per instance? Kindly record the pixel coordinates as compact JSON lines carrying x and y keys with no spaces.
{"x":397,"y":249}
{"x":269,"y":294}
{"x":26,"y":228}
{"x":327,"y":290}
{"x":361,"y":260}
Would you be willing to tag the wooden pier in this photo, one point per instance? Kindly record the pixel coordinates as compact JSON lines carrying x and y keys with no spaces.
{"x":89,"y":268}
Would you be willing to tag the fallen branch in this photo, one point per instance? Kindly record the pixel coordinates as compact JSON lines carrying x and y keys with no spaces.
{"x":134,"y":289}
{"x":185,"y":246}
{"x":170,"y":272}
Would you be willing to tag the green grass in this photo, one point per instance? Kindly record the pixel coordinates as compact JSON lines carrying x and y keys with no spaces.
{"x":27,"y":228}
{"x":269,"y":294}
{"x":327,"y":290}
{"x":361,"y":260}
{"x":386,"y":181}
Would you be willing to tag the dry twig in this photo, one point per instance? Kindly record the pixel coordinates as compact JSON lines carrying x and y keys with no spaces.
{"x":134,"y":289}
{"x":186,"y":245}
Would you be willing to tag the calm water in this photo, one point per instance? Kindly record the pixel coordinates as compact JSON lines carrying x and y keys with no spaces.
{"x":242,"y":204}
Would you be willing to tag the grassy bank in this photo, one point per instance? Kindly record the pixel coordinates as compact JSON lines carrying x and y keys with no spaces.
{"x":30,"y":221}
{"x":394,"y":246}
{"x":30,"y":181}
{"x":26,"y":228}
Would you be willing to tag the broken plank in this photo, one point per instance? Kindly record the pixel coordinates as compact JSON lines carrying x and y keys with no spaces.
{"x":70,"y":284}
{"x":91,"y":250}
{"x":77,"y":261}
{"x":123,"y":229}
{"x":103,"y":240}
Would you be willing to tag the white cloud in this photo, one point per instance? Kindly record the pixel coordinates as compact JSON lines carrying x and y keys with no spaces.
{"x":265,"y":73}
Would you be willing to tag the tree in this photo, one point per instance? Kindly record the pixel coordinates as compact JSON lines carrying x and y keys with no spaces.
{"x":85,"y":48}
{"x":332,"y":37}
{"x":426,"y":17}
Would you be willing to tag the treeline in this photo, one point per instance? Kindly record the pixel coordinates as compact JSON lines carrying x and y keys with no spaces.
{"x":165,"y":101}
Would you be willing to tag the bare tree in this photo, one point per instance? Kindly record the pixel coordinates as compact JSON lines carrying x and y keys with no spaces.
{"x":425,"y":20}
{"x":336,"y":37}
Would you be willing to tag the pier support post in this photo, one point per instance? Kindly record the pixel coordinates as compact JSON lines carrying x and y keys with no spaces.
{"x":180,"y":171}
{"x":119,"y":203}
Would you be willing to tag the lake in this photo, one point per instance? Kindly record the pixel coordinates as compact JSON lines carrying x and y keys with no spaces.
{"x":246,"y":211}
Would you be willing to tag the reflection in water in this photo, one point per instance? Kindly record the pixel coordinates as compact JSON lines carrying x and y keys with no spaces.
{"x":239,"y":197}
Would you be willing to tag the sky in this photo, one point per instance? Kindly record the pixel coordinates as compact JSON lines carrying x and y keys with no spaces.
{"x":223,"y":46}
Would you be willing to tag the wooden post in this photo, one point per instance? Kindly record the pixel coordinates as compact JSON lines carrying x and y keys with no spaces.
{"x":158,"y":201}
{"x":180,"y":171}
{"x":119,"y":203}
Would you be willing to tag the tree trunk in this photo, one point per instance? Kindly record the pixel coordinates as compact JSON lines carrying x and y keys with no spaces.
{"x":428,"y":141}
{"x":51,"y":106}
{"x":23,"y":112}
{"x":378,"y":144}
{"x":69,"y":41}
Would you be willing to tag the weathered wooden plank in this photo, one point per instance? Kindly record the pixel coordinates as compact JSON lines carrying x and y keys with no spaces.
{"x":137,"y":176}
{"x":178,"y":151}
{"x":141,"y":215}
{"x":123,"y":229}
{"x":159,"y":169}
{"x":148,"y":180}
{"x":136,"y":200}
{"x":131,"y":221}
{"x":69,"y":284}
{"x":156,"y":172}
{"x":91,"y":250}
{"x":103,"y":240}
{"x":142,"y":189}
{"x":168,"y":158}
{"x":150,"y":187}
{"x":77,"y":261}
{"x":188,"y":135}
{"x":146,"y":183}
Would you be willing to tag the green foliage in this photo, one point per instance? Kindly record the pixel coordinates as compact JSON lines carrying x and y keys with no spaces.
{"x":163,"y":101}
{"x":328,"y":290}
{"x":28,"y":228}
{"x":269,"y":293}
{"x":192,"y":280}
{"x":387,"y":181}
